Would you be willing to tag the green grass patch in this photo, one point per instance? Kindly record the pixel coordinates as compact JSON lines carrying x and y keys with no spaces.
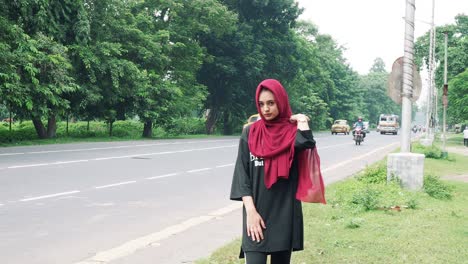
{"x":23,"y":133}
{"x":368,"y":220}
{"x":455,"y":139}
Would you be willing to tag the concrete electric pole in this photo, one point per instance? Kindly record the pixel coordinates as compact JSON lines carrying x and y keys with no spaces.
{"x":407,"y":166}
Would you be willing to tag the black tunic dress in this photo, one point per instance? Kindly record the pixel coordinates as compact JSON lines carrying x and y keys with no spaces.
{"x":280,"y":210}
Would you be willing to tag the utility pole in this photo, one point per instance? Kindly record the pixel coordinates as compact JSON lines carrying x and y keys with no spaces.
{"x":407,"y":92}
{"x":406,"y":166}
{"x":444,"y":98}
{"x":430,"y":115}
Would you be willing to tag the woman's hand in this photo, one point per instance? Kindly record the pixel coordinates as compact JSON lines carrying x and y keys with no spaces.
{"x":255,"y":225}
{"x":299,"y":118}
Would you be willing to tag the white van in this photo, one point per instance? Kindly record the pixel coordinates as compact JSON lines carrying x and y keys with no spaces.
{"x":388,"y":124}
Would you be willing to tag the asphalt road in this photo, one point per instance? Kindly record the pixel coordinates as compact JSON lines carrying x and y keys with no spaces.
{"x":160,"y":201}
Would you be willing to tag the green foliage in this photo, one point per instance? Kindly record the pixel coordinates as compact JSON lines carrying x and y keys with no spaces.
{"x":186,"y":126}
{"x":435,"y":188}
{"x":431,"y":152}
{"x":354,"y":223}
{"x":367,"y":198}
{"x":376,"y":99}
{"x":20,"y":131}
{"x":457,"y":58}
{"x":114,"y":60}
{"x":458,"y":98}
{"x":373,"y":174}
{"x":24,"y":131}
{"x":412,"y":203}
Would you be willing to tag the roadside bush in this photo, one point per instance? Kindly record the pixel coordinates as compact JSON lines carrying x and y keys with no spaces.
{"x":368,"y":199}
{"x":127,"y":128}
{"x":431,"y":152}
{"x":374,"y":174}
{"x":435,"y":188}
{"x":187,"y":126}
{"x":19,"y":131}
{"x":79,"y":129}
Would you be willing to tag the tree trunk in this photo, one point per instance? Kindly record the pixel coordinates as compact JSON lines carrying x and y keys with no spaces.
{"x":87,"y":126}
{"x":227,"y":126}
{"x":10,"y":122}
{"x":67,"y":124}
{"x":211,"y":121}
{"x":40,"y":129}
{"x":51,"y":127}
{"x":110,"y":127}
{"x":148,"y":129}
{"x":10,"y":135}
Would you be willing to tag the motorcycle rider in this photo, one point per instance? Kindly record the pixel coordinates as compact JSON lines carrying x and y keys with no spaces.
{"x":360,"y":124}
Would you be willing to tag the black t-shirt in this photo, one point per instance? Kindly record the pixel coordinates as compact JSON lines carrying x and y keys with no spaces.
{"x":280,"y":210}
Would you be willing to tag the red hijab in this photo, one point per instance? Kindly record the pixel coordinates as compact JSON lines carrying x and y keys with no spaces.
{"x":273,"y":141}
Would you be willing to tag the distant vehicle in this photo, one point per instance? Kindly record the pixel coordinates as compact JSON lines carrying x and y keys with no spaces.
{"x":388,"y":124}
{"x":340,"y":126}
{"x":252,"y":119}
{"x":358,"y":136}
{"x":366,"y":127}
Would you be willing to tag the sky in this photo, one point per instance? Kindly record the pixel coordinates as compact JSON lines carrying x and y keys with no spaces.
{"x":368,"y":29}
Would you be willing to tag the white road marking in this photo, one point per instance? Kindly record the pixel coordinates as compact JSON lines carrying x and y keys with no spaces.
{"x":227,"y":165}
{"x":27,"y":166}
{"x":120,"y":183}
{"x":114,"y":184}
{"x":198,"y":170}
{"x":115,"y":147}
{"x":132,"y":246}
{"x":116,"y":157}
{"x":46,"y":164}
{"x":162,"y":176}
{"x":48,"y":196}
{"x":70,"y":161}
{"x":12,"y":154}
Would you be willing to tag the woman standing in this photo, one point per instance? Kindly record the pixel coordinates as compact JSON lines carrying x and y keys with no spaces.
{"x":271,"y":177}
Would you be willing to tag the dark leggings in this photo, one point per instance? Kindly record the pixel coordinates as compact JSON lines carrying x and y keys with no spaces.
{"x":280,"y":257}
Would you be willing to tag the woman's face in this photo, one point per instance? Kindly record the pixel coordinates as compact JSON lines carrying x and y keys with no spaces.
{"x":268,"y":105}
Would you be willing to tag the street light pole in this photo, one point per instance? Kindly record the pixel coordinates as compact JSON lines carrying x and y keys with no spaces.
{"x":427,"y":141}
{"x":444,"y":97}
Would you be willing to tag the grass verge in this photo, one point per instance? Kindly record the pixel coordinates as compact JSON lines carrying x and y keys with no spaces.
{"x":369,"y":221}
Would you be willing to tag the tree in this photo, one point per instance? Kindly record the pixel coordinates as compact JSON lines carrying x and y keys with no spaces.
{"x":458,"y":98}
{"x":457,"y":57}
{"x":378,"y":66}
{"x":260,"y":48}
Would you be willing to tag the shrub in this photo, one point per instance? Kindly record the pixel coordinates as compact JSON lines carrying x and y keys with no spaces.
{"x":367,"y":199}
{"x":374,"y":174}
{"x":187,"y":126}
{"x":431,"y":152}
{"x":127,"y":128}
{"x":435,"y":188}
{"x":19,"y":131}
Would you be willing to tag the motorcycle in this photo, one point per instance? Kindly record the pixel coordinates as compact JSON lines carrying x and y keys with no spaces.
{"x":358,"y":135}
